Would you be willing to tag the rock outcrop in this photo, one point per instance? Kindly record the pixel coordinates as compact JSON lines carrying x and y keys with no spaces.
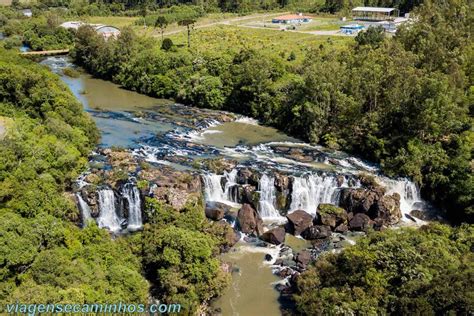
{"x":298,"y":221}
{"x":360,"y":222}
{"x":249,"y":221}
{"x":330,"y":215}
{"x":316,"y":232}
{"x":382,"y":209}
{"x":214,"y":213}
{"x":274,"y":236}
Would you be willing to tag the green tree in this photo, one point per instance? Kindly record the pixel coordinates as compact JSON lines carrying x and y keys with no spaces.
{"x":162,"y":22}
{"x":189,"y":23}
{"x":373,"y":36}
{"x":394,"y":272}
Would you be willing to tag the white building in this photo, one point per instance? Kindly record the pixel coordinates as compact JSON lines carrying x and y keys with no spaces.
{"x":374,"y":13}
{"x":106,"y":31}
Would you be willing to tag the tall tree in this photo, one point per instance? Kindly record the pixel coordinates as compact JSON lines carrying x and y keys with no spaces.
{"x":189,"y":23}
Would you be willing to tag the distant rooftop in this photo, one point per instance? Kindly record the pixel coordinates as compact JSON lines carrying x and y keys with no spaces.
{"x":373,"y":9}
{"x":292,"y":17}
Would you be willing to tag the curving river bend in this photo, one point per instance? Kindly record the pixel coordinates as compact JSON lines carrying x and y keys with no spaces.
{"x":158,"y":129}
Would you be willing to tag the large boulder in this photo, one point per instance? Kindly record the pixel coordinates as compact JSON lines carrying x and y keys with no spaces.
{"x":384,"y":209}
{"x":316,"y":232}
{"x":387,"y":209}
{"x":358,"y":200}
{"x":298,"y":221}
{"x":303,"y":258}
{"x":249,"y":220}
{"x":214,"y":213}
{"x":231,"y":236}
{"x":274,"y":236}
{"x":360,"y":222}
{"x":330,"y":215}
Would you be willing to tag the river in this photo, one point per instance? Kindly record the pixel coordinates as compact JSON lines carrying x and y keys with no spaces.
{"x":160,"y":131}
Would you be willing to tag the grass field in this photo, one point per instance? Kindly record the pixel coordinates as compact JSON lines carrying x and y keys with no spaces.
{"x":117,"y":21}
{"x":234,"y":38}
{"x":318,"y":24}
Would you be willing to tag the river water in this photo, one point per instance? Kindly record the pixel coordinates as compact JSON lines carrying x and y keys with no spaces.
{"x":159,"y":131}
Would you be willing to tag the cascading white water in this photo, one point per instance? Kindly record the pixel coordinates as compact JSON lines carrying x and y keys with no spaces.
{"x":410,"y":197}
{"x":266,"y":187}
{"x":310,"y":190}
{"x":84,"y":208}
{"x":108,"y":216}
{"x":213,"y":188}
{"x":132,"y":195}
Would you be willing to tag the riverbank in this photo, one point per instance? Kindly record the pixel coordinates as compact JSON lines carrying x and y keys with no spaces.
{"x":280,"y":88}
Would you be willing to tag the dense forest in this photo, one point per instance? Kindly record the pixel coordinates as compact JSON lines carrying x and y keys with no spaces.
{"x":45,"y":257}
{"x":405,"y":102}
{"x":399,"y":272}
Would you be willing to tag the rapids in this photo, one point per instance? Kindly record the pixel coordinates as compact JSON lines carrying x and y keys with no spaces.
{"x":164,"y":133}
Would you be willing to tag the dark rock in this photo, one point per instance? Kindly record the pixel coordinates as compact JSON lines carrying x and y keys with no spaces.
{"x":410,"y":218}
{"x":360,"y":222}
{"x":330,"y":215}
{"x":369,"y":181}
{"x":281,"y":149}
{"x":298,"y":221}
{"x":282,"y":182}
{"x":214,"y":213}
{"x":420,"y":215}
{"x":249,"y":220}
{"x":372,"y":202}
{"x":283,"y":273}
{"x":229,"y":234}
{"x":387,"y":209}
{"x":247,"y":176}
{"x":316,"y":232}
{"x":278,"y":262}
{"x":249,"y":194}
{"x":340,"y":180}
{"x":274,"y":236}
{"x":303,"y":258}
{"x":342,"y":228}
{"x":268,"y":257}
{"x":357,"y":200}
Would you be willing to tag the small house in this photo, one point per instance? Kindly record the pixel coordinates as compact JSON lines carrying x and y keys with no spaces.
{"x":292,"y":19}
{"x":374,"y":13}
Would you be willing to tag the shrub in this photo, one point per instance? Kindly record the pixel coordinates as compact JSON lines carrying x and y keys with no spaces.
{"x":167,"y":44}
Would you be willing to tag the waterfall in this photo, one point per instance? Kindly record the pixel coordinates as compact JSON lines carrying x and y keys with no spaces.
{"x":311,"y":190}
{"x":266,"y":186}
{"x":213,"y":187}
{"x":410,"y":197}
{"x":132,"y":195}
{"x":108,"y":216}
{"x":84,"y":208}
